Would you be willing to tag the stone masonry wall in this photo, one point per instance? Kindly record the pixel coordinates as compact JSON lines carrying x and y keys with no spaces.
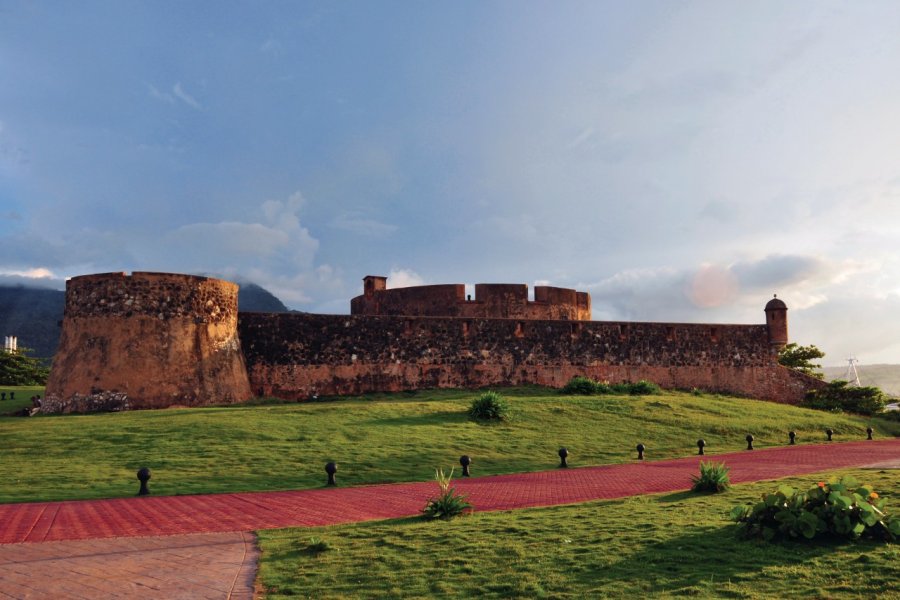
{"x":147,"y":340}
{"x":297,"y":356}
{"x":492,"y":300}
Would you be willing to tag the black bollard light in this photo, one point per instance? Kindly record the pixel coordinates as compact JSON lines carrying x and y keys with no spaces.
{"x":749,"y":439}
{"x":2,"y":395}
{"x":640,"y":448}
{"x":143,"y":476}
{"x":793,"y":436}
{"x":869,"y":431}
{"x":829,"y":433}
{"x":331,"y":469}
{"x":700,"y":445}
{"x":12,"y":395}
{"x":465,"y":461}
{"x":563,"y":454}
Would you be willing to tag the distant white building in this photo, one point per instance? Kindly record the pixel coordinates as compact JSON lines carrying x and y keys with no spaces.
{"x":10,"y":343}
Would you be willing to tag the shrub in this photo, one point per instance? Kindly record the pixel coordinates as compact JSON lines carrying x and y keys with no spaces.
{"x":643,"y":388}
{"x":840,"y":396}
{"x":890,"y":415}
{"x":713,"y":478}
{"x":449,"y":503}
{"x":317,"y":545}
{"x":18,"y":369}
{"x":580,"y":385}
{"x":489,"y":406}
{"x":585,"y":386}
{"x":839,"y":508}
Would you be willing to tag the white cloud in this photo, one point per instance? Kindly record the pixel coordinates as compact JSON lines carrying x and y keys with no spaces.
{"x":355,"y":222}
{"x":39,"y":277}
{"x":185,"y":97}
{"x":271,"y":46}
{"x":36,"y":273}
{"x":163,"y":96}
{"x":276,"y":252}
{"x":399,"y":278}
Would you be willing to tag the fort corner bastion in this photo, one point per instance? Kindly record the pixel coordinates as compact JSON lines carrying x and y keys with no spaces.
{"x":152,"y":340}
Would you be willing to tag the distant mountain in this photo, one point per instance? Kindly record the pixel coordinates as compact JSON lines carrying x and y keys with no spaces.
{"x":253,"y":298}
{"x":886,"y":377}
{"x":33,"y":314}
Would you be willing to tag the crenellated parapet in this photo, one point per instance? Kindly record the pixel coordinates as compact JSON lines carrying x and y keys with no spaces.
{"x":491,"y":301}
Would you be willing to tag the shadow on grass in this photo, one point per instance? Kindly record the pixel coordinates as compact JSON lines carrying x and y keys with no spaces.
{"x":677,"y":496}
{"x":444,"y":417}
{"x":705,"y":561}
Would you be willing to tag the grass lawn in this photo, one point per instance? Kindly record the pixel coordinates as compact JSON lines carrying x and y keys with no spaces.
{"x":23,"y":394}
{"x":659,"y":546}
{"x":379,"y":438}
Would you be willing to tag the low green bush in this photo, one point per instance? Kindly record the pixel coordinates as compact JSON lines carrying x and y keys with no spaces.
{"x":890,"y":415}
{"x":449,"y":503}
{"x":580,"y":386}
{"x":489,"y":406}
{"x":713,"y":478}
{"x":837,"y":508}
{"x":317,"y":545}
{"x":841,"y":396}
{"x":643,"y":388}
{"x":585,"y":386}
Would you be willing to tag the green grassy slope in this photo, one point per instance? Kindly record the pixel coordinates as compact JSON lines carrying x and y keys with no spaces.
{"x":400,"y":437}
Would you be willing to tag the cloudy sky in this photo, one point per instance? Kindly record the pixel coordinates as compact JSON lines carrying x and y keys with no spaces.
{"x":681,"y":161}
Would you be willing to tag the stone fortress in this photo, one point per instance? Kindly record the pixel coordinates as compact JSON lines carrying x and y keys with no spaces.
{"x":153,"y":340}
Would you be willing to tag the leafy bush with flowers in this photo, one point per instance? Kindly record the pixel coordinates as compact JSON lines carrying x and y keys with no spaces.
{"x":837,"y":508}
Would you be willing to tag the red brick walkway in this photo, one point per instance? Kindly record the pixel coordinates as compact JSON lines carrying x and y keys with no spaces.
{"x":154,"y":516}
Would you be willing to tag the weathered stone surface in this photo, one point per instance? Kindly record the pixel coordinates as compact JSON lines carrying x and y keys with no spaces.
{"x":492,"y":300}
{"x":150,"y":339}
{"x":76,"y":403}
{"x":301,"y":355}
{"x":153,"y":340}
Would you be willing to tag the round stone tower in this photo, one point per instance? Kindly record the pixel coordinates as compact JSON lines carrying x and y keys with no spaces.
{"x":776,"y":321}
{"x":147,"y":340}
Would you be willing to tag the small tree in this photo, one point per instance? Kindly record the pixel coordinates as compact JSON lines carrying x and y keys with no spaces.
{"x":18,"y":369}
{"x":800,"y":359}
{"x":840,"y":395}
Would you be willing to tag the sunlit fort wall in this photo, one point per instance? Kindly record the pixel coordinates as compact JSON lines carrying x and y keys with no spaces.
{"x":180,"y":341}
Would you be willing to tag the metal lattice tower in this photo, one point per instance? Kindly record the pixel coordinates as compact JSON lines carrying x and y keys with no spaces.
{"x":852,"y":374}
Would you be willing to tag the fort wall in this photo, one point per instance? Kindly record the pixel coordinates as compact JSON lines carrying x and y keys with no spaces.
{"x":492,"y":300}
{"x":152,"y":340}
{"x":298,"y":356}
{"x":147,"y":340}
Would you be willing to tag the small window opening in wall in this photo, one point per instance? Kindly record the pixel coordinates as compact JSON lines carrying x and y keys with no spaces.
{"x":623,"y":332}
{"x":520,"y":329}
{"x":714,"y":334}
{"x":576,"y":329}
